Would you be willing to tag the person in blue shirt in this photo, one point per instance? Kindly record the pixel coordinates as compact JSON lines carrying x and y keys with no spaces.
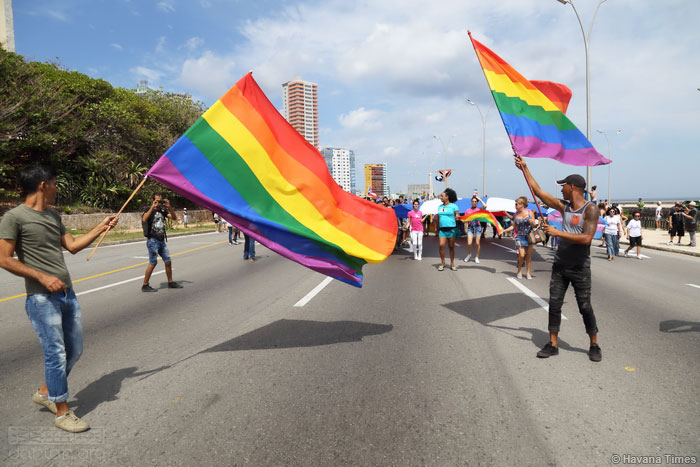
{"x":446,"y":226}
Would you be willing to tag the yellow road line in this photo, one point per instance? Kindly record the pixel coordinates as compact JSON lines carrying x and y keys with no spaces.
{"x":120,"y":269}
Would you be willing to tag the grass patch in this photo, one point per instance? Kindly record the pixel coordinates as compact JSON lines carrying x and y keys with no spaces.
{"x":121,"y":235}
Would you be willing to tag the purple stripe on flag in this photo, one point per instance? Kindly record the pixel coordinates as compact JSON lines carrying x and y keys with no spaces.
{"x":531,"y":146}
{"x":171,"y":177}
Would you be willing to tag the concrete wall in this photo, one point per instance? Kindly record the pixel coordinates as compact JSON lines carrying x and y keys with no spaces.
{"x":129,"y":220}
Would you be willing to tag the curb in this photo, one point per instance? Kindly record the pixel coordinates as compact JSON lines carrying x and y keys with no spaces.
{"x":143,"y":239}
{"x":667,"y":249}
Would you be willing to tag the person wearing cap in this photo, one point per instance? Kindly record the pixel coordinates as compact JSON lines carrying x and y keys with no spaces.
{"x":691,"y":221}
{"x":675,"y":220}
{"x":185,"y":217}
{"x":572,"y":260}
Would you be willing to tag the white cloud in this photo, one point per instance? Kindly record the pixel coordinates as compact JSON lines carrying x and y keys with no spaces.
{"x":141,"y":72}
{"x":117,"y":46}
{"x":160,"y":46}
{"x":210,"y":75}
{"x":391,"y":151}
{"x":361,"y":119}
{"x":58,"y":15}
{"x":167,"y":6}
{"x":193,"y":43}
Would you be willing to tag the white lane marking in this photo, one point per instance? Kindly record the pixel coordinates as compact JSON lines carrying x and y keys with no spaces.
{"x":116,"y":284}
{"x":532,"y":295}
{"x":140,"y":257}
{"x":693,"y":285}
{"x":504,"y":247}
{"x":307,"y":298}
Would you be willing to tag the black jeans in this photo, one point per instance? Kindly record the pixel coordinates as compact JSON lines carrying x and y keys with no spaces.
{"x":580,"y":278}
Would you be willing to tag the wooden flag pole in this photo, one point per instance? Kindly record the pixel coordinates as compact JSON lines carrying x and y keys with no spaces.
{"x":102,"y":237}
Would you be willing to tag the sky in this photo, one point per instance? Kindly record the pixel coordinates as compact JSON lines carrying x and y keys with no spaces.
{"x":394,"y":76}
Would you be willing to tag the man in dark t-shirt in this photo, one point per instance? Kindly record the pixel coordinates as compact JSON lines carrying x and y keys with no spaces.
{"x":690,"y":215}
{"x":154,"y":229}
{"x":676,"y":222}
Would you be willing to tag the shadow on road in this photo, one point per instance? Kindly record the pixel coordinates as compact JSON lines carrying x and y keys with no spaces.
{"x":676,"y":326}
{"x":288,"y":333}
{"x":105,"y":389}
{"x":538,"y":337}
{"x":486,"y":310}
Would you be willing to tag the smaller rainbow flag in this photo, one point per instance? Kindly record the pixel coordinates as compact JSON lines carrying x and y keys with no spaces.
{"x":482,"y":215}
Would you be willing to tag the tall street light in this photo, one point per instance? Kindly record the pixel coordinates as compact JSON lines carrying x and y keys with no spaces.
{"x":609,"y":155}
{"x":586,"y":43}
{"x":483,"y":137}
{"x":444,"y":149}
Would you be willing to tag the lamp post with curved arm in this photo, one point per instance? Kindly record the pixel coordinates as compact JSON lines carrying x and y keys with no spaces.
{"x":609,"y":155}
{"x":483,"y":137}
{"x":586,"y":43}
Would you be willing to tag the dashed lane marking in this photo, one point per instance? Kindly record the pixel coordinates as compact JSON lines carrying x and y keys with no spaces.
{"x":532,"y":295}
{"x":307,"y":298}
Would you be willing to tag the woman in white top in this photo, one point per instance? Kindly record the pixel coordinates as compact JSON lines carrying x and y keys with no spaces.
{"x":659,"y":212}
{"x":613,"y":228}
{"x":634,"y":234}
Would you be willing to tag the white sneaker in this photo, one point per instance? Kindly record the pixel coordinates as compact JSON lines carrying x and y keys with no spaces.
{"x":420,"y":258}
{"x":476,"y":260}
{"x":519,"y":276}
{"x":529,"y":277}
{"x":639,"y":257}
{"x":466,"y":260}
{"x":669,"y":243}
{"x":625,"y":254}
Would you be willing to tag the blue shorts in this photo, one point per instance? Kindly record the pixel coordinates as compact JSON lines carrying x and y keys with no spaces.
{"x":157,"y":247}
{"x":475,"y":230}
{"x":521,"y":241}
{"x":449,"y":233}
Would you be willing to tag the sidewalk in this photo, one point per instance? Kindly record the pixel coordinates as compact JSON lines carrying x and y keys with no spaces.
{"x":658,"y":239}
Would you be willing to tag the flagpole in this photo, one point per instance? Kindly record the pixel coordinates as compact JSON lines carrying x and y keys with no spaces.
{"x":504,"y":124}
{"x":102,"y":237}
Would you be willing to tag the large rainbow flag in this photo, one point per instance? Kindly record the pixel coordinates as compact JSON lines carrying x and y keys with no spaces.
{"x":482,"y":215}
{"x":533,"y":114}
{"x":242,"y":160}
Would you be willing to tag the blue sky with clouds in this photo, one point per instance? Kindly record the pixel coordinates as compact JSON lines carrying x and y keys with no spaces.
{"x":394,"y":74}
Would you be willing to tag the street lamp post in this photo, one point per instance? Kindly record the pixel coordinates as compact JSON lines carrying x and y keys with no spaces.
{"x":586,"y":43}
{"x":483,"y":137}
{"x":609,"y":155}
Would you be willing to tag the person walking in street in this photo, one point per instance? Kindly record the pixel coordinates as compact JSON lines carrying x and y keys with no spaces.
{"x":474,"y":232}
{"x":572,"y":260}
{"x":153,"y":222}
{"x":675,"y":220}
{"x":36,"y":233}
{"x":634,"y":234}
{"x":690,"y":215}
{"x":523,"y":222}
{"x":185,"y":217}
{"x":248,"y":247}
{"x":613,"y":231}
{"x":416,"y":219}
{"x":659,"y":212}
{"x":446,"y":226}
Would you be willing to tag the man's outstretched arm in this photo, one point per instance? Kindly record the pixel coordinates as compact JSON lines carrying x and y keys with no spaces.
{"x":548,"y":199}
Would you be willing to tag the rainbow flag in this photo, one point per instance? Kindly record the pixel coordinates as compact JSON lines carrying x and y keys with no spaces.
{"x":482,"y":215}
{"x":536,"y":125}
{"x":243,"y":160}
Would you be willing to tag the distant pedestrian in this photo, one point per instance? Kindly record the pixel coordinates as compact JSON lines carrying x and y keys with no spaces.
{"x":572,"y":261}
{"x":416,"y":218}
{"x":248,"y":247}
{"x":153,"y":222}
{"x":634,"y":234}
{"x":613,"y":230}
{"x":659,"y":212}
{"x":446,"y":226}
{"x":185,"y":217}
{"x":640,"y":204}
{"x":675,"y":220}
{"x":217,"y":222}
{"x":593,"y":194}
{"x":523,"y":222}
{"x":474,"y":232}
{"x":36,"y":234}
{"x":690,"y":216}
{"x":602,"y":209}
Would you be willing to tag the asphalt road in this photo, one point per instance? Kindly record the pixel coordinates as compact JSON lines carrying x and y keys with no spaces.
{"x":418,"y":367}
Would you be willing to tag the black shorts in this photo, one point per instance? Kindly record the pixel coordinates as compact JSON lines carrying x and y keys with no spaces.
{"x":635,"y":241}
{"x":676,"y":230}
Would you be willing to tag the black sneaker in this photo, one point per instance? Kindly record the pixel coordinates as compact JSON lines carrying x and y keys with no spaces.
{"x":174,"y":285}
{"x":548,"y":350}
{"x":594,"y":353}
{"x":148,"y":288}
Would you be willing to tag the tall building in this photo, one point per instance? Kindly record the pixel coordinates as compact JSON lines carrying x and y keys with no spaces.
{"x":341,"y":165}
{"x":375,"y":178}
{"x":300,"y":108}
{"x":7,"y":28}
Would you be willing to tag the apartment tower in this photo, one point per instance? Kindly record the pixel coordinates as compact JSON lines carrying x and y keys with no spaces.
{"x":375,"y":178}
{"x":300,"y":108}
{"x":341,"y":165}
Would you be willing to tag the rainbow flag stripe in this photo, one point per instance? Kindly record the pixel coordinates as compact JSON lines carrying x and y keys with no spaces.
{"x":242,"y":160}
{"x":537,"y":127}
{"x":482,"y":215}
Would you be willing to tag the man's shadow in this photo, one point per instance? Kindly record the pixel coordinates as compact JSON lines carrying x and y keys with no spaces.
{"x":105,"y":389}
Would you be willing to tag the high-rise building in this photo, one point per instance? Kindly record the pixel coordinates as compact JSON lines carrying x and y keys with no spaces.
{"x":300,"y":108}
{"x":341,"y":165}
{"x":7,"y":28}
{"x":375,"y":178}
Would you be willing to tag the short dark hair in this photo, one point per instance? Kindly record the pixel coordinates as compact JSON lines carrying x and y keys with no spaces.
{"x":157,"y":194}
{"x":451,"y":195}
{"x":31,"y":177}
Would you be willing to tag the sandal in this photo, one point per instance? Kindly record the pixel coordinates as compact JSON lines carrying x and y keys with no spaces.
{"x":454,"y":268}
{"x":441,"y":267}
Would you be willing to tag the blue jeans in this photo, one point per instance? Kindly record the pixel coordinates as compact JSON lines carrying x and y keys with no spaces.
{"x":474,"y":230}
{"x":248,"y":247}
{"x":157,"y":247}
{"x":612,"y":242}
{"x":56,"y":320}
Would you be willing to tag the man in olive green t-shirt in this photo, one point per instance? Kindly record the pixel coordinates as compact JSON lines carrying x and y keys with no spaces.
{"x":37,"y":235}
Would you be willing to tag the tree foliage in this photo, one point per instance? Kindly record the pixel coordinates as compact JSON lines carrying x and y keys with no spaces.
{"x":101,"y":139}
